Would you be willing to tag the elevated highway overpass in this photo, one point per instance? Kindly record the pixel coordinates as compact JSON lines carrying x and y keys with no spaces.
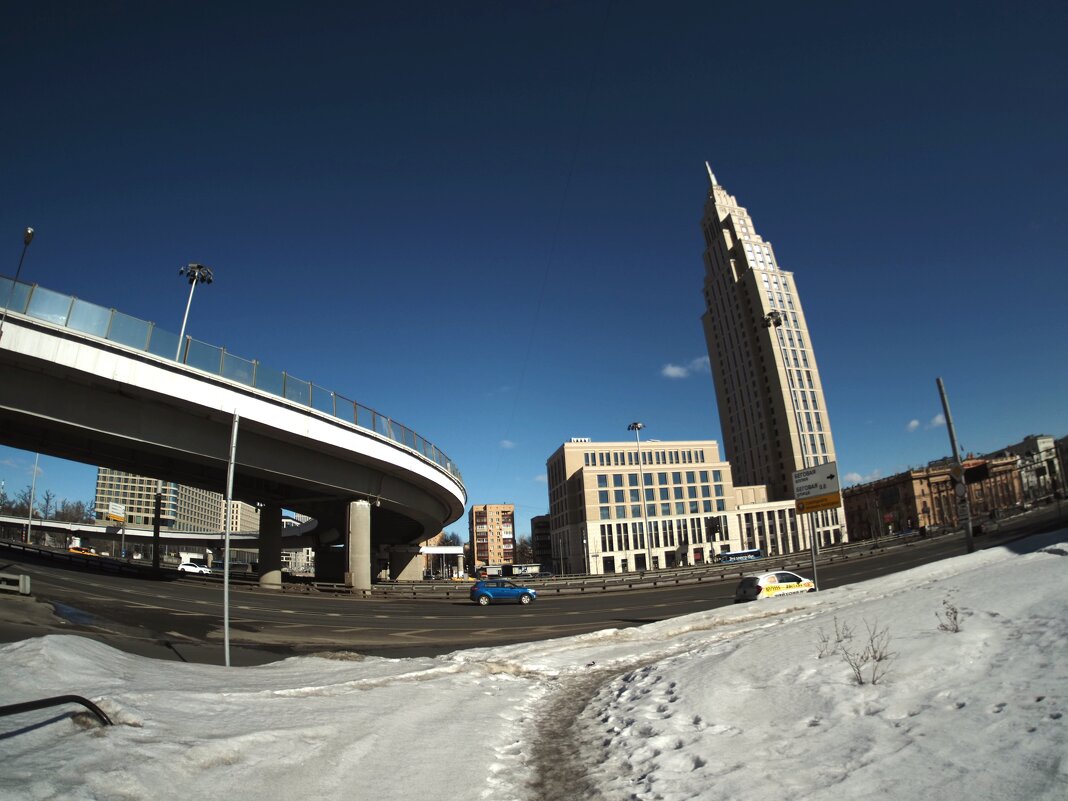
{"x":94,"y":385}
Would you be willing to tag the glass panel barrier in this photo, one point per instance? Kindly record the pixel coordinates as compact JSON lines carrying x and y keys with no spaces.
{"x":128,"y":331}
{"x":365,"y":418}
{"x":49,"y":306}
{"x":204,"y":356}
{"x":297,"y":390}
{"x":18,"y":293}
{"x":270,"y":380}
{"x":344,"y":409}
{"x":89,"y":318}
{"x":322,"y":399}
{"x":237,"y":369}
{"x":162,"y":343}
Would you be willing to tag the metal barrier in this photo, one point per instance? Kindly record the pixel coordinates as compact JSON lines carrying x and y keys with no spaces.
{"x":15,"y":582}
{"x":59,"y":700}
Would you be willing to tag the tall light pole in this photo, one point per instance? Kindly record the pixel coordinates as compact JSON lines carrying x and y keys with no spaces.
{"x":197,"y":274}
{"x":957,"y":470}
{"x":27,"y":237}
{"x":33,"y":497}
{"x":647,"y":536}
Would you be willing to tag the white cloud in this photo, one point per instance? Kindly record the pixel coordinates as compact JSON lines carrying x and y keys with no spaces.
{"x":507,"y":443}
{"x":913,"y":425}
{"x":936,"y":421}
{"x":698,"y":365}
{"x":541,"y":478}
{"x":857,"y":478}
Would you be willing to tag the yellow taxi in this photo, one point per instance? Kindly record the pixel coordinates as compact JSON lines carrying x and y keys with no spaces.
{"x":81,"y":549}
{"x":755,"y":586}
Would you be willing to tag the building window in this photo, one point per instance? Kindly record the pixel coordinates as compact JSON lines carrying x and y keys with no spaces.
{"x":602,"y":480}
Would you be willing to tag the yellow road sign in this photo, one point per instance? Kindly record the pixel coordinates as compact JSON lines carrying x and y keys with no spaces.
{"x":831,"y":500}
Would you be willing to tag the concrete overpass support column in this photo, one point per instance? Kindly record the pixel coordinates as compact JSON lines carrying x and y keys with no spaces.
{"x":405,"y":564}
{"x":358,"y":542}
{"x":271,"y":547}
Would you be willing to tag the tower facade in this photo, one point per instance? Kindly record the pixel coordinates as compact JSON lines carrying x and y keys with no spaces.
{"x":771,"y":403}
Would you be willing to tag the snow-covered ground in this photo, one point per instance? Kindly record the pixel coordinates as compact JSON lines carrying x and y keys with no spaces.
{"x":749,"y":702}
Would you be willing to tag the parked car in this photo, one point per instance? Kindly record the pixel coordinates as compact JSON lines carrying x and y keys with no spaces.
{"x":484,"y":592}
{"x":81,"y":549}
{"x":193,"y":567}
{"x":755,"y":586}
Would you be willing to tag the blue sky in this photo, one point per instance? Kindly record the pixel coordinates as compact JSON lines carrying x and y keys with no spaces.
{"x":482,"y":219}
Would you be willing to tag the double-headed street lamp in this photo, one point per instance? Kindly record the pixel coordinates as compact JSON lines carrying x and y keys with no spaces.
{"x":647,"y":536}
{"x":27,"y":237}
{"x":197,"y":274}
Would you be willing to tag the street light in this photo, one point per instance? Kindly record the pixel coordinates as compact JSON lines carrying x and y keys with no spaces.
{"x":647,"y":536}
{"x":27,"y":237}
{"x":197,"y":274}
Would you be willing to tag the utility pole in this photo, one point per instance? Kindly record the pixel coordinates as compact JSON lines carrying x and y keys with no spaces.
{"x":957,"y":471}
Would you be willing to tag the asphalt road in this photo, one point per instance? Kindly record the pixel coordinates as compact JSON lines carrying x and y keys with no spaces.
{"x":182,"y":618}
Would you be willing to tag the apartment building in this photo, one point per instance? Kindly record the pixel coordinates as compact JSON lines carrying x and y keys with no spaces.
{"x":491,"y":530}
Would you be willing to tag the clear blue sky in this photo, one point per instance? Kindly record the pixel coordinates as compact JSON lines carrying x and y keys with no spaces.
{"x":482,"y":219}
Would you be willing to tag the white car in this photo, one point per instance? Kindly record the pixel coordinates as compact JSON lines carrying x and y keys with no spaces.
{"x":193,"y":567}
{"x":755,"y":586}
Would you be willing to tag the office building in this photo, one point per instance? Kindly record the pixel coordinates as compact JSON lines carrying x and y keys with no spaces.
{"x":619,"y":507}
{"x":182,"y":509}
{"x":541,"y":540}
{"x":491,"y":529}
{"x":772,"y":408}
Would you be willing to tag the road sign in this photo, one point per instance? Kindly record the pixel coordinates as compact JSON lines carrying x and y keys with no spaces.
{"x":819,"y":480}
{"x":818,"y":503}
{"x":817,"y":488}
{"x":117,"y":512}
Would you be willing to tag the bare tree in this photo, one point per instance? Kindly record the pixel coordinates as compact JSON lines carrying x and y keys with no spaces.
{"x":23,"y":500}
{"x":524,"y":551}
{"x":48,"y":505}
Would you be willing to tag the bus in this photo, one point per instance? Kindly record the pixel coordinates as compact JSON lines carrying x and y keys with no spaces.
{"x":739,"y":556}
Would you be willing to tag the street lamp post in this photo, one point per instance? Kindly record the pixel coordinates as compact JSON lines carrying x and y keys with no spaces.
{"x":33,"y":497}
{"x":27,"y":237}
{"x":646,"y":534}
{"x":197,"y":274}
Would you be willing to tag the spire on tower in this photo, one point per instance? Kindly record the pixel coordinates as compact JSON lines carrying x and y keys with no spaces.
{"x":711,"y":175}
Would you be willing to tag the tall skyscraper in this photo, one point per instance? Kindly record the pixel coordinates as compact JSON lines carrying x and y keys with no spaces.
{"x":771,"y":404}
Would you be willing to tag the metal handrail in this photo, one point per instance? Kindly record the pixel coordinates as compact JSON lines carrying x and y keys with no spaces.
{"x":59,"y":700}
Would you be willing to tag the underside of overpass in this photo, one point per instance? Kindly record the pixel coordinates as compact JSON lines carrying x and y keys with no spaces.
{"x":176,"y":426}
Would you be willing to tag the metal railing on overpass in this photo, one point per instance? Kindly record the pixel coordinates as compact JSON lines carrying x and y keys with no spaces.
{"x":79,"y":315}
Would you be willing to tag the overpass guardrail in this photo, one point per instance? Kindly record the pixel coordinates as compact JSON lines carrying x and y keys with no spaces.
{"x":67,"y":311}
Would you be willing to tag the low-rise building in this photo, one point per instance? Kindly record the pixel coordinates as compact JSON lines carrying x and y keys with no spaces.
{"x":926,"y":497}
{"x":618,"y":507}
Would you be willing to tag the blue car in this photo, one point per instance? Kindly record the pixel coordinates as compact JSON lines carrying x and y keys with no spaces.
{"x":483,"y":592}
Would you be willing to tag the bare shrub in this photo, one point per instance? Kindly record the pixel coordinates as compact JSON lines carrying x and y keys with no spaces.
{"x":871,"y":663}
{"x":951,"y":621}
{"x":829,"y":647}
